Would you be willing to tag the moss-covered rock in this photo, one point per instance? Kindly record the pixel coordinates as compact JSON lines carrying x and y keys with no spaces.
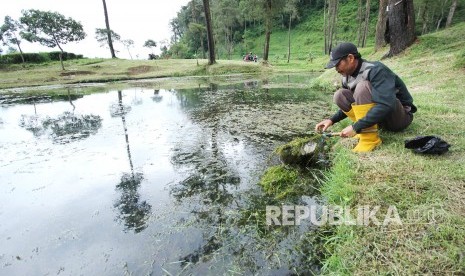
{"x":303,"y":151}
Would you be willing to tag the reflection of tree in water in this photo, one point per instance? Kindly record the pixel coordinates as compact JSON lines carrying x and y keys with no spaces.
{"x":156,"y":96}
{"x":210,"y":175}
{"x":133,"y":212}
{"x":63,"y":129}
{"x":210,"y":179}
{"x":234,"y":224}
{"x":136,"y":100}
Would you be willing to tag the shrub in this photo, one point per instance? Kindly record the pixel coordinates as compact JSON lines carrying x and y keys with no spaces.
{"x":15,"y":58}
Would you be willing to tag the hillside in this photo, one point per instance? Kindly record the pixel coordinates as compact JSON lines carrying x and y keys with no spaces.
{"x":307,"y":38}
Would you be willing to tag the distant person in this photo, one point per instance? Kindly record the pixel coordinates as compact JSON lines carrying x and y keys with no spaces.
{"x":371,"y":95}
{"x":255,"y":58}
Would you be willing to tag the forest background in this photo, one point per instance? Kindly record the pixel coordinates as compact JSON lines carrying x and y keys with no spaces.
{"x":301,"y":29}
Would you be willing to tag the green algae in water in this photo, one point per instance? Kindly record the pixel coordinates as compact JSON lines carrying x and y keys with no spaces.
{"x":282,"y":182}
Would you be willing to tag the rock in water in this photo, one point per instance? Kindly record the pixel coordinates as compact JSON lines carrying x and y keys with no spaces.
{"x":301,"y":151}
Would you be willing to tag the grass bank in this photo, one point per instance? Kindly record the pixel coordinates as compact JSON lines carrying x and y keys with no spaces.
{"x":112,"y":71}
{"x":428,"y":191}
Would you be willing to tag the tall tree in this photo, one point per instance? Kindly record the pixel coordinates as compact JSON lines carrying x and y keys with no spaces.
{"x":271,"y":8}
{"x":401,"y":18}
{"x":150,"y":43}
{"x":441,"y":16}
{"x":226,"y":14}
{"x":211,"y":39}
{"x":251,"y":12}
{"x":175,"y":29}
{"x":360,"y":22}
{"x":51,"y":29}
{"x":366,"y":24}
{"x":291,"y":8}
{"x":453,"y":6}
{"x":107,"y":24}
{"x":268,"y":26}
{"x":10,"y":34}
{"x":128,"y":43}
{"x":381,"y":25}
{"x":101,"y":35}
{"x":423,"y":14}
{"x":330,"y":23}
{"x":198,"y":29}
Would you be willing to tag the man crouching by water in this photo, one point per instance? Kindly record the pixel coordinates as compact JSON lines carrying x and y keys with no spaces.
{"x":371,"y":95}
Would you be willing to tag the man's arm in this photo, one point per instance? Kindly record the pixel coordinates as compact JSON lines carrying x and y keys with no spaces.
{"x":338,"y":116}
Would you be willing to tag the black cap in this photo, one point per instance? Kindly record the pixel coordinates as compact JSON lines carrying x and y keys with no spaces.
{"x":341,"y":50}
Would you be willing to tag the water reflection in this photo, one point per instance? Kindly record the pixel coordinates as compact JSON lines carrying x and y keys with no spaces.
{"x":156,"y":96}
{"x":64,"y":128}
{"x":209,"y":174}
{"x":233,"y":220}
{"x":201,"y":151}
{"x":211,"y":179}
{"x":133,"y":212}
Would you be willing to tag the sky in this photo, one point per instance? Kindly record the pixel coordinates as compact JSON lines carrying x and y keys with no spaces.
{"x":138,"y":20}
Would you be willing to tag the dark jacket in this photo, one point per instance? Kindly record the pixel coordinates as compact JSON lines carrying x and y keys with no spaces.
{"x":386,"y":88}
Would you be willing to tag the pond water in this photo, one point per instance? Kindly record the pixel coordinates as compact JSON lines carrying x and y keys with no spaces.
{"x":149,"y":180}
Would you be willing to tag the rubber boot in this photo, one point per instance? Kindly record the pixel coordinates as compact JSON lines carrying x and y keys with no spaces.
{"x":369,"y":138}
{"x":351,"y":115}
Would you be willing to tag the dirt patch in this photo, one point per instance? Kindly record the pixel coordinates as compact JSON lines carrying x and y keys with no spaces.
{"x":139,"y":69}
{"x":71,"y":73}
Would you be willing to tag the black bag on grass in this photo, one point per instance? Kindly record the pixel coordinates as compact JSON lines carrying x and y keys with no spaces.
{"x":427,"y":144}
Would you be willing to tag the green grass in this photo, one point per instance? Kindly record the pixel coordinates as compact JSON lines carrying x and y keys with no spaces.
{"x":428,"y":191}
{"x":113,"y":70}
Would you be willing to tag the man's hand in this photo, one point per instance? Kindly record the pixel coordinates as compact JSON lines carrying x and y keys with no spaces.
{"x":348,"y":132}
{"x":323,"y":125}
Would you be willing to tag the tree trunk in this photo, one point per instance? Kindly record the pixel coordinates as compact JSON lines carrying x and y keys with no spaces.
{"x":329,"y":26}
{"x":359,"y":18}
{"x":20,"y":51}
{"x":210,"y":38}
{"x":381,"y":25}
{"x":202,"y":46}
{"x":325,"y":27}
{"x":401,"y":25}
{"x":289,"y":39}
{"x":268,"y":23}
{"x":332,"y":33}
{"x":441,"y":16}
{"x":367,"y":23}
{"x":61,"y":59}
{"x":424,"y":18}
{"x":107,"y":24}
{"x":453,"y":6}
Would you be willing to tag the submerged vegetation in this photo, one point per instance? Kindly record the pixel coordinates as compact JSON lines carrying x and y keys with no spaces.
{"x":282,"y":182}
